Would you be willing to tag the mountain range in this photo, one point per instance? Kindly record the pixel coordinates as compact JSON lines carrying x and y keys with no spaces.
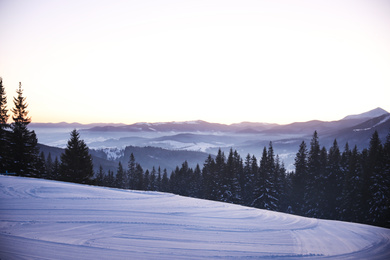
{"x":165,"y":144}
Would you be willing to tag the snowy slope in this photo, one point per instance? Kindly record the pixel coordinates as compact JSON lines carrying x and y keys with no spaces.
{"x":41,"y":219}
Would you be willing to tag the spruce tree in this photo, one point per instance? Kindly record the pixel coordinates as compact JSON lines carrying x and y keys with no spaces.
{"x":76,"y":162}
{"x":23,"y":150}
{"x":131,"y":173}
{"x":333,"y":183}
{"x":120,"y":177}
{"x":378,"y":183}
{"x":165,"y":181}
{"x":100,"y":177}
{"x":4,"y":134}
{"x":313,"y":188}
{"x":299,"y":179}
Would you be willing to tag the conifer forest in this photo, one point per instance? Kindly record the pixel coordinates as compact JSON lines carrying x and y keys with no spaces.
{"x":340,"y":183}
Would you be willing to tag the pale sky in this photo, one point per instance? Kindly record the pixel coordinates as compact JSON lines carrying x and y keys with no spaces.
{"x":276,"y":61}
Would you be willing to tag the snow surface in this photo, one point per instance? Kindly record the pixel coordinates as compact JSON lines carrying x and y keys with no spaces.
{"x":42,"y":219}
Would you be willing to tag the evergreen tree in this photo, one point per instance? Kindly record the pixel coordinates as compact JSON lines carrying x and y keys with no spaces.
{"x":313,"y":188}
{"x":351,"y":203}
{"x":23,"y":151}
{"x":386,"y":182}
{"x":100,"y":177}
{"x":153,"y":179}
{"x":159,"y":179}
{"x":120,"y":180}
{"x":218,"y":176}
{"x":249,"y":177}
{"x":196,"y":183}
{"x":139,"y":177}
{"x":56,"y":169}
{"x":208,"y":177}
{"x":4,"y":134}
{"x":333,"y":183}
{"x":299,"y":179}
{"x":76,"y":162}
{"x":165,"y":181}
{"x":378,"y":183}
{"x":49,"y":167}
{"x":131,"y":173}
{"x":146,"y":180}
{"x":109,"y":180}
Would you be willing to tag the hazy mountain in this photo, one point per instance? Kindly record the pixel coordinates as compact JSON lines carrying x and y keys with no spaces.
{"x":160,"y":139}
{"x":370,"y":114}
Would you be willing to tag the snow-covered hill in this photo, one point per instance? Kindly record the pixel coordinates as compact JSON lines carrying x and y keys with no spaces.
{"x":41,"y":219}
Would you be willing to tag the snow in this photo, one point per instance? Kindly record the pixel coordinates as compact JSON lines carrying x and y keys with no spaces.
{"x":42,"y":219}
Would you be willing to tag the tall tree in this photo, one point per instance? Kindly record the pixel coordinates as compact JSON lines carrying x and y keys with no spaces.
{"x":378,"y":182}
{"x":299,"y":179}
{"x":120,"y":180}
{"x":333,"y":183}
{"x":131,"y":172}
{"x":24,"y":152}
{"x":4,"y":134}
{"x":76,"y":162}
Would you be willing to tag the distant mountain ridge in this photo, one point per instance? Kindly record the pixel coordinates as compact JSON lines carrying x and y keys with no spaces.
{"x":203,"y":126}
{"x":166,"y":144}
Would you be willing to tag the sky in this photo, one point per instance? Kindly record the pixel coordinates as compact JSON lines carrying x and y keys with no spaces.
{"x":222,"y":61}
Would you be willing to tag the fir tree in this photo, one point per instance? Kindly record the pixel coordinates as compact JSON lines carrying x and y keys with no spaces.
{"x":351,"y":203}
{"x":4,"y":134}
{"x":333,"y":183}
{"x":165,"y":181}
{"x":313,"y":188}
{"x":209,"y":179}
{"x":299,"y":179}
{"x":56,"y":169}
{"x":153,"y":179}
{"x":378,"y":184}
{"x":76,"y":162}
{"x":23,"y":150}
{"x":247,"y":186}
{"x":49,"y":166}
{"x":131,"y":173}
{"x":120,"y":177}
{"x":100,"y":177}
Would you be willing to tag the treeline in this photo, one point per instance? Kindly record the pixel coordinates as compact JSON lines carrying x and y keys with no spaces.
{"x":343,"y":185}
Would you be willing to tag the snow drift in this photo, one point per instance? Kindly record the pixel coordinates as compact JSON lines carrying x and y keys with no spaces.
{"x":42,"y":219}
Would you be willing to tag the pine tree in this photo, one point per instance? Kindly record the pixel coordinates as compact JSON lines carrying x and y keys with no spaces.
{"x":76,"y":162}
{"x":23,"y":150}
{"x":4,"y":134}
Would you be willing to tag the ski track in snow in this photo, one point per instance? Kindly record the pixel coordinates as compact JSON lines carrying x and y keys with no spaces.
{"x":41,"y":219}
